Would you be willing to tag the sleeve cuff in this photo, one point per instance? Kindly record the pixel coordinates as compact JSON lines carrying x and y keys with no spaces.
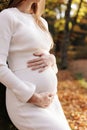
{"x":25,"y":92}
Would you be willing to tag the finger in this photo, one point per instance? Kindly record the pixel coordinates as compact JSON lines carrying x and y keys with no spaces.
{"x":38,"y":54}
{"x":34,"y":60}
{"x":51,"y":95}
{"x":50,"y":99}
{"x":38,"y":67}
{"x":46,"y":105}
{"x":35,"y":64}
{"x":43,"y":69}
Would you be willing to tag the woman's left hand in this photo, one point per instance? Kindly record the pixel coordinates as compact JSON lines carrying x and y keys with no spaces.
{"x":43,"y":61}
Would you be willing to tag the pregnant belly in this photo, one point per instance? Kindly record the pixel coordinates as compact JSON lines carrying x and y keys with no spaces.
{"x":45,"y":81}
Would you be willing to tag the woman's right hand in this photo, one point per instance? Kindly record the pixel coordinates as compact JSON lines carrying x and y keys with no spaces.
{"x":42,"y":99}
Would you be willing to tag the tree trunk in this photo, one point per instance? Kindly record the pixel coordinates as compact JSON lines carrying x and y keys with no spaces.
{"x":65,"y":41}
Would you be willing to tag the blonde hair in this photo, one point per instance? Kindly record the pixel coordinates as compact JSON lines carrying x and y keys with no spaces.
{"x":39,"y":12}
{"x":38,"y":9}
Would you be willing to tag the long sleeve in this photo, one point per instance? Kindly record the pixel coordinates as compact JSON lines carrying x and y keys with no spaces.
{"x":23,"y":91}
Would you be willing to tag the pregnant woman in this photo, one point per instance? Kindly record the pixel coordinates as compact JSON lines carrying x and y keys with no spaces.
{"x":30,"y":76}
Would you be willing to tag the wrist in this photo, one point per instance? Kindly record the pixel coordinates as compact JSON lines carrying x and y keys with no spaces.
{"x":34,"y":99}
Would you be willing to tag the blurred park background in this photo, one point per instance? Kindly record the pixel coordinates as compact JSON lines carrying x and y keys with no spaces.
{"x":67,"y":21}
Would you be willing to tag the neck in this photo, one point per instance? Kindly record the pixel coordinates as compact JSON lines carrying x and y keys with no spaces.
{"x":26,"y":8}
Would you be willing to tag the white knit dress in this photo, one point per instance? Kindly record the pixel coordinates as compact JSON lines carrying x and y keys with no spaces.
{"x":20,"y":37}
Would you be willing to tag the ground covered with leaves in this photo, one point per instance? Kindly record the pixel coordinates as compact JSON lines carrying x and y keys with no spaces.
{"x":73,"y":97}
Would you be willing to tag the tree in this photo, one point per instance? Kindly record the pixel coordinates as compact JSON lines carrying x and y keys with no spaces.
{"x":4,"y":4}
{"x":66,"y":40}
{"x":69,"y":24}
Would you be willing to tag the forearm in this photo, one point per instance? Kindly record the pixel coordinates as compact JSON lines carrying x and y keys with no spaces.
{"x":22,"y":90}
